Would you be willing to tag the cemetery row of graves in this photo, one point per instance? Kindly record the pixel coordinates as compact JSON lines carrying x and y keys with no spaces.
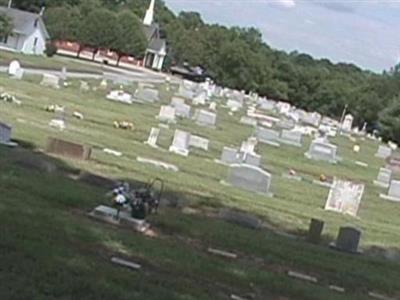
{"x":222,"y":154}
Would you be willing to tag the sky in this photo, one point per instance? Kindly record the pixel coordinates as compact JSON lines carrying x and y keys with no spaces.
{"x":363,"y":32}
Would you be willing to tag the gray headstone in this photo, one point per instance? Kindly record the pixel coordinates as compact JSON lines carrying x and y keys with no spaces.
{"x":394,"y":189}
{"x":153,"y":137}
{"x":320,"y":150}
{"x":249,"y":178}
{"x":383,"y":152}
{"x":252,"y":159}
{"x":5,"y":133}
{"x":230,"y":155}
{"x":267,"y":136}
{"x":199,"y":142}
{"x":348,"y":239}
{"x":147,"y":95}
{"x":293,"y":138}
{"x":205,"y":118}
{"x":182,"y":110}
{"x":384,"y":177}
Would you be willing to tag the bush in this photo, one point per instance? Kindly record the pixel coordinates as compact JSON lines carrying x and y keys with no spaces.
{"x":51,"y":49}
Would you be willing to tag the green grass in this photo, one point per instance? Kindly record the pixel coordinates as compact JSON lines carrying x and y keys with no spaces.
{"x":42,"y":62}
{"x":49,"y":249}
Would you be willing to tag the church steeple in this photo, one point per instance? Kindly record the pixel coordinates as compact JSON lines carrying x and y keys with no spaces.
{"x":148,"y":19}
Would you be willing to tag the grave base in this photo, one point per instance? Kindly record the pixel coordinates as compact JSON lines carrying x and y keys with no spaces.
{"x":331,"y":161}
{"x":381,"y":184}
{"x":289,"y":143}
{"x":361,"y":164}
{"x":269,"y":195}
{"x":292,"y":177}
{"x":179,"y":151}
{"x":390,"y":198}
{"x":9,"y":144}
{"x":334,"y":247}
{"x":270,"y":143}
{"x":321,"y":183}
{"x":108,"y":214}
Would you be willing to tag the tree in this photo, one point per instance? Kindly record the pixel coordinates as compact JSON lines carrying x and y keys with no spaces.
{"x":6,"y":26}
{"x":389,"y":121}
{"x":63,"y":23}
{"x":131,"y":39}
{"x":99,"y":30}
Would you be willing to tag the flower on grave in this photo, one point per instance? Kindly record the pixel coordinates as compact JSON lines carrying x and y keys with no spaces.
{"x":292,"y":172}
{"x":7,"y":98}
{"x":322,"y":178}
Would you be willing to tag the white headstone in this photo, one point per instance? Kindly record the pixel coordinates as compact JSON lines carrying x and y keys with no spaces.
{"x":13,"y":68}
{"x":347,"y":123}
{"x":120,"y":96}
{"x":383,"y":152}
{"x":230,"y":156}
{"x":50,"y":80}
{"x":384,"y":178}
{"x":199,"y":142}
{"x":180,"y":144}
{"x":167,"y":114}
{"x":345,"y":197}
{"x":153,"y":137}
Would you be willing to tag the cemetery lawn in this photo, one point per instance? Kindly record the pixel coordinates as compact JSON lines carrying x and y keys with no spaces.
{"x":50,"y":249}
{"x":52,"y":63}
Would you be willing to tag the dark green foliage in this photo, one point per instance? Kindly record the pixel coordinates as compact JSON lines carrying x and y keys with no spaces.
{"x":51,"y":49}
{"x":6,"y":26}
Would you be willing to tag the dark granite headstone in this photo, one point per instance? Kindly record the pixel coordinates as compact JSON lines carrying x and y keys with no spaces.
{"x":69,"y":149}
{"x":240,"y":218}
{"x":348,"y":239}
{"x":315,"y":231}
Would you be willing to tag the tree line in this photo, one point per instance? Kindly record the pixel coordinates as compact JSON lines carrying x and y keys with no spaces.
{"x":233,"y":56}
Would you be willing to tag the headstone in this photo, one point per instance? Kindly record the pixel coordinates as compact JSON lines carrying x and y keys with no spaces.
{"x":384,"y":177}
{"x":393,"y":163}
{"x":147,"y":95}
{"x":199,"y":142}
{"x":345,"y":197}
{"x":268,"y":136}
{"x":50,"y":80}
{"x":234,"y":105}
{"x":322,"y":150}
{"x":69,"y":149}
{"x":212,"y":106}
{"x":177,"y":101}
{"x":167,"y":114}
{"x":248,"y":121}
{"x":394,"y":191}
{"x":240,"y":218}
{"x":383,"y":152}
{"x":63,"y":73}
{"x":315,"y":231}
{"x":293,"y":138}
{"x":252,"y":159}
{"x":348,"y":240}
{"x":182,"y":110}
{"x":97,"y":180}
{"x":180,"y":144}
{"x":249,"y":178}
{"x":120,"y":96}
{"x":5,"y":134}
{"x":153,"y":137}
{"x":103,"y":84}
{"x":205,"y":118}
{"x":347,"y":124}
{"x":230,"y":156}
{"x":200,"y":99}
{"x":13,"y":68}
{"x":248,"y":146}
